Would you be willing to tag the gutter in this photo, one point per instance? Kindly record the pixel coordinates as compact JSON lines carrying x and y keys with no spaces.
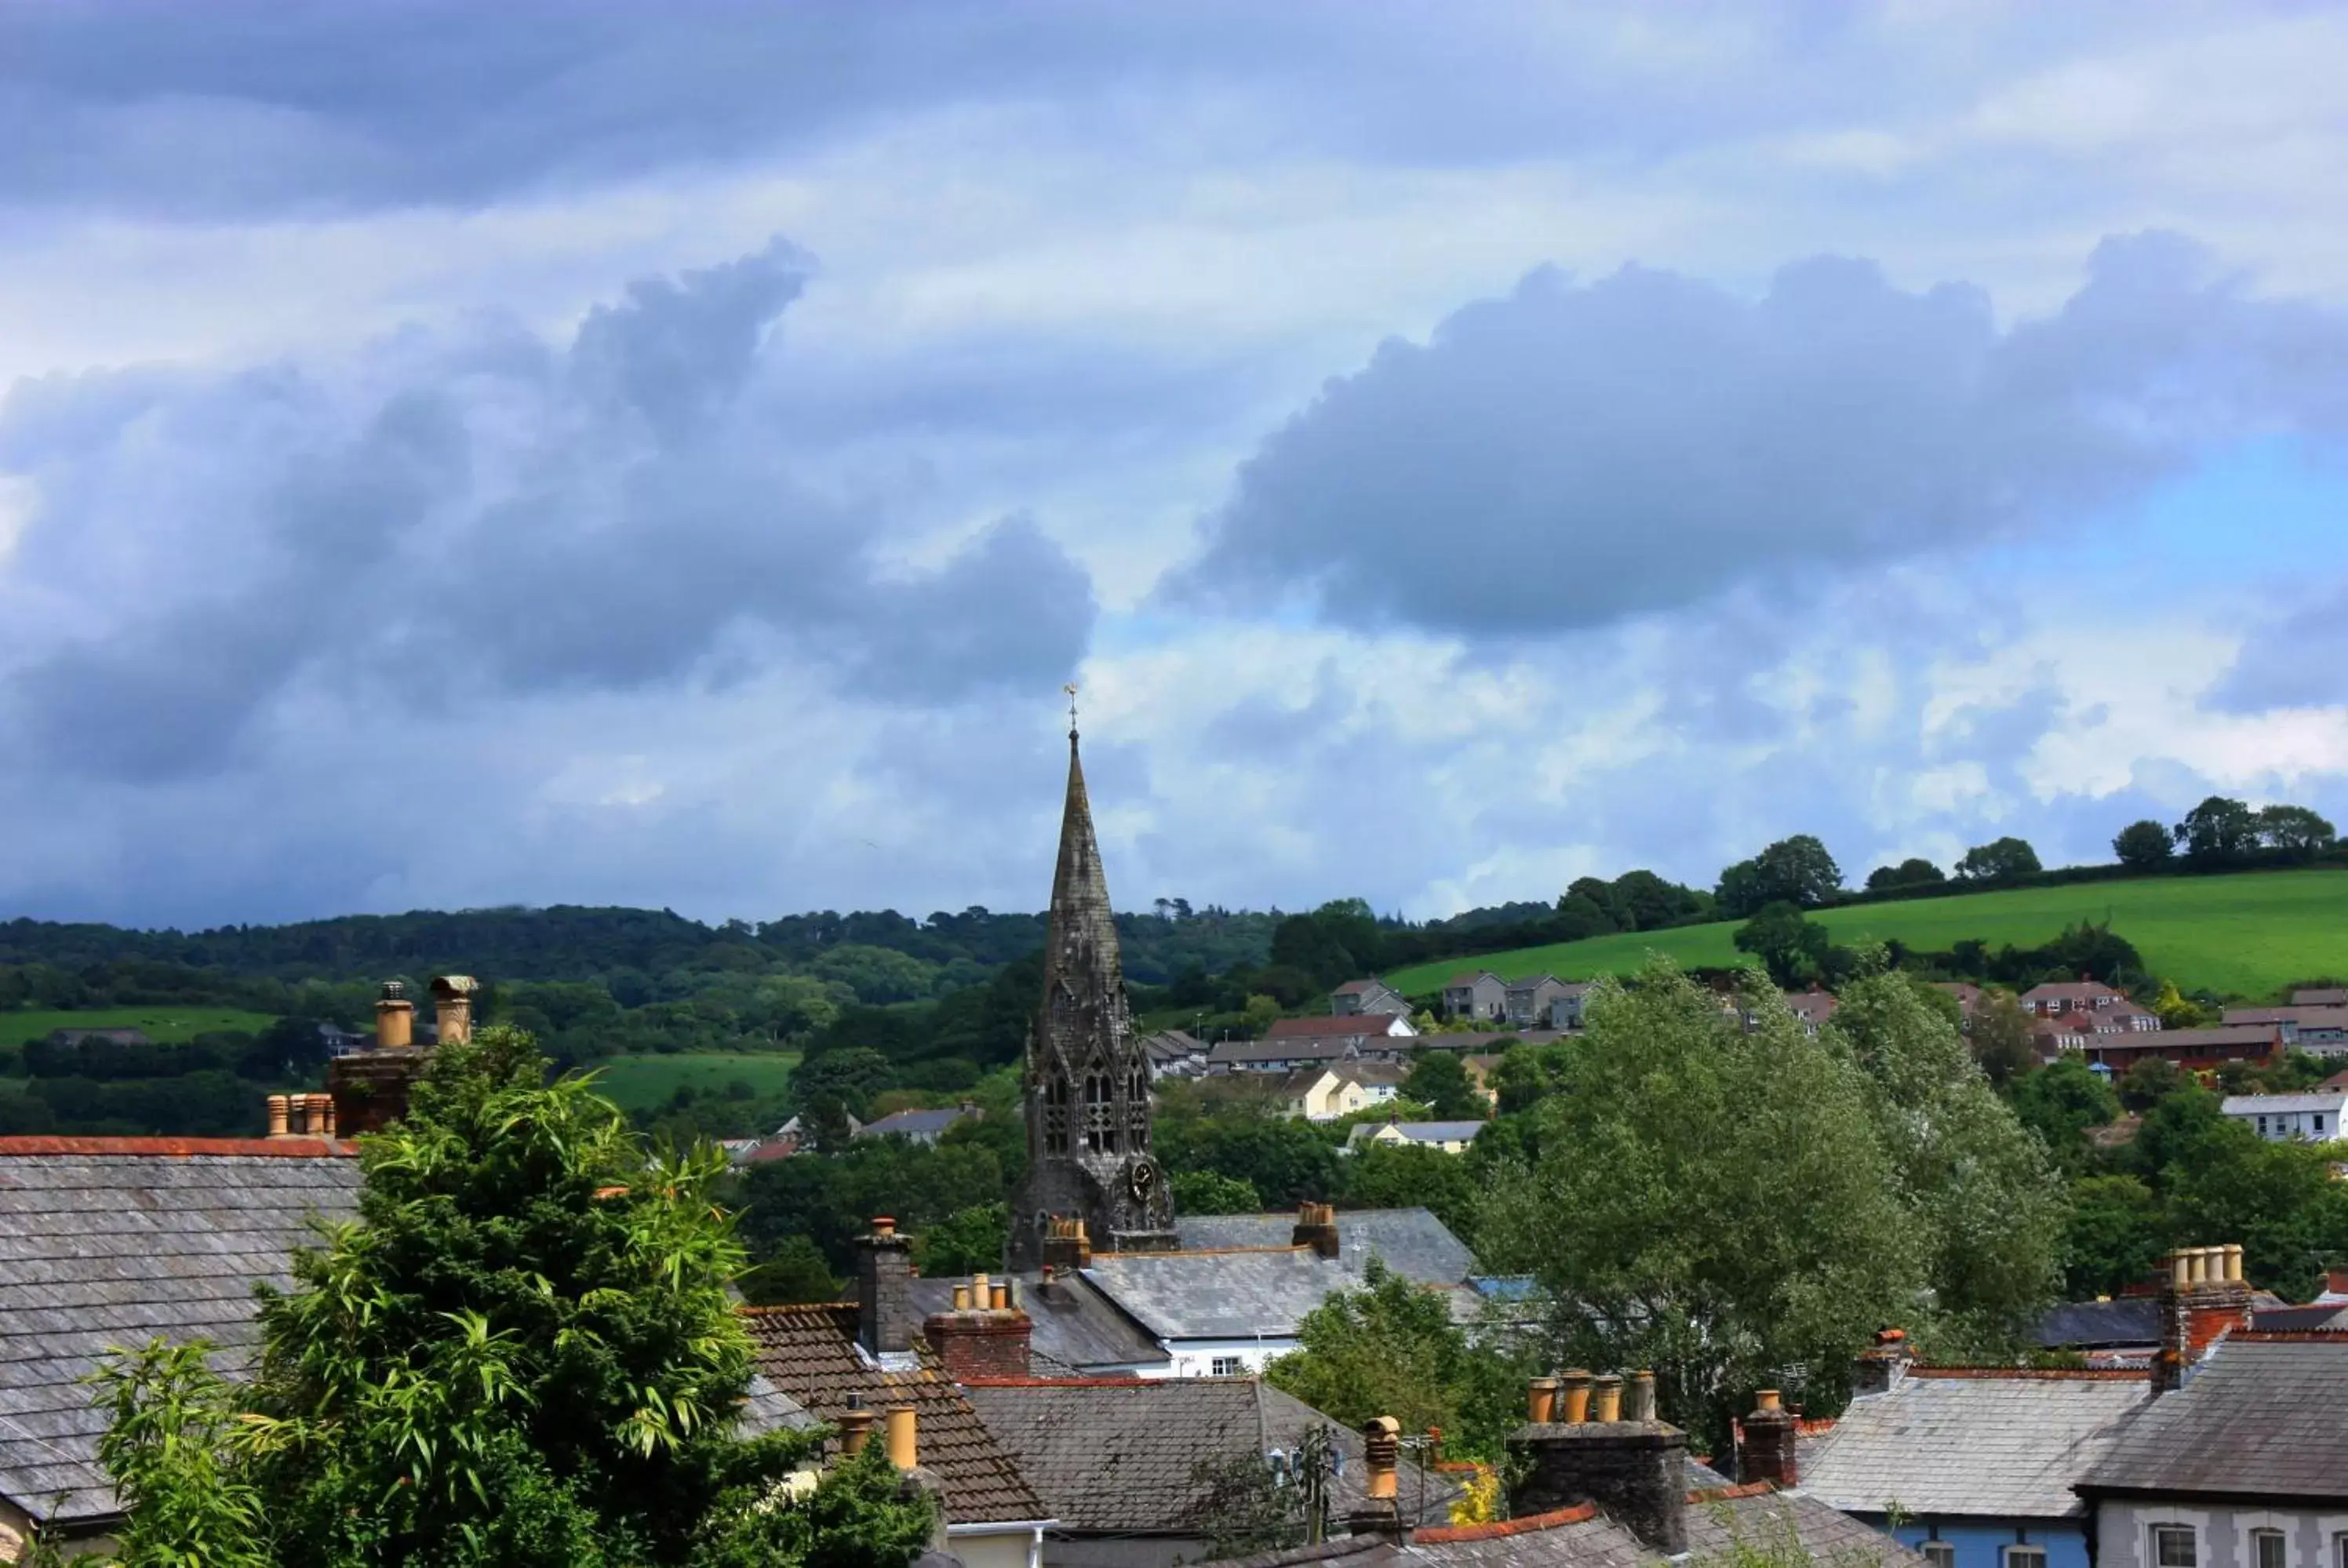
{"x":1032,"y":1528}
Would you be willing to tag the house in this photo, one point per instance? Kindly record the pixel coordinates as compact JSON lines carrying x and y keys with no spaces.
{"x":1972,"y":1467}
{"x":1969,"y":998}
{"x":1327,"y":1093}
{"x":1812,"y":1008}
{"x":922,"y":1127}
{"x":1450,"y":1137}
{"x":2308,"y":1117}
{"x":843,"y":1360}
{"x":1412,"y":1242}
{"x":1174,"y":1053}
{"x":1294,"y":1043}
{"x":338,"y":1041}
{"x":1476,"y":994}
{"x":1290,"y":1055}
{"x":1529,"y":1003}
{"x":2195,"y":1048}
{"x":2318,"y":1031}
{"x":1355,"y":997}
{"x":2321,"y":996}
{"x":2057,"y":997}
{"x":1128,"y":1468}
{"x":1565,"y":1008}
{"x":2244,"y":1466}
{"x":105,"y":1036}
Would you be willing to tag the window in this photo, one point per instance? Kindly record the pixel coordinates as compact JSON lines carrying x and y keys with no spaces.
{"x":1939,"y":1553}
{"x":2025,"y":1557}
{"x":2339,"y":1552}
{"x":2172,"y":1546}
{"x":1226,"y":1367}
{"x":2268,"y":1550}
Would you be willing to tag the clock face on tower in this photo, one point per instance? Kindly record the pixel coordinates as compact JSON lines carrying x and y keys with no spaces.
{"x":1141,"y":1180}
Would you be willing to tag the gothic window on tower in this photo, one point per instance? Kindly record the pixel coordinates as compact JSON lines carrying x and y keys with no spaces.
{"x":1056,"y":1115}
{"x":1100,"y":1115}
{"x":1136,"y":1110}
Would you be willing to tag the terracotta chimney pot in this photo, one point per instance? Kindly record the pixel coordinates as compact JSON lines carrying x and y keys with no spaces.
{"x":855,"y":1426}
{"x":1575,"y":1382}
{"x":277,"y":1116}
{"x":1541,"y":1400}
{"x":905,"y":1441}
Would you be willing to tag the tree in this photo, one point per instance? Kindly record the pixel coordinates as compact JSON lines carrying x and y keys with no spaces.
{"x":968,"y":1241}
{"x":2060,"y":1102}
{"x":850,"y":1076}
{"x":1795,"y":870}
{"x":1915,"y":872}
{"x":2148,"y":1082}
{"x":1522,"y":1078}
{"x":2142,"y":846}
{"x":1642,"y":901}
{"x":1259,"y":1014}
{"x":2000,"y":860}
{"x":797,"y":1272}
{"x":2115,"y":1236}
{"x":1286,"y":1161}
{"x":1438,"y":1080}
{"x":2003,"y":1041}
{"x":1793,"y":949}
{"x":1212,"y":1192}
{"x":1714,"y":1203}
{"x":2294,"y":830}
{"x":1306,"y":942}
{"x":521,"y":1352}
{"x":1404,"y":1176}
{"x":1391,"y":1349}
{"x":2217,"y":833}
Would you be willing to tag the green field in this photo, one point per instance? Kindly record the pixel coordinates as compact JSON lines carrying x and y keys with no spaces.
{"x":168,"y":1024}
{"x":640,"y":1082}
{"x":2248,"y":935}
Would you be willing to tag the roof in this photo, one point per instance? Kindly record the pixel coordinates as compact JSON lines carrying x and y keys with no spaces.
{"x":1361,"y":987}
{"x":810,"y":1353}
{"x":1367,"y":1073}
{"x":1072,"y":1324}
{"x":1813,"y":1006}
{"x":1757,"y":1516}
{"x":1172,"y":1044}
{"x":2305,"y":1018}
{"x":2100,"y":1325}
{"x":1534,"y":982}
{"x":1121,"y":1455}
{"x":2170,"y":1039}
{"x":1293,"y":1049}
{"x":908,"y":1123}
{"x":2321,"y":996}
{"x":2281,"y":1104}
{"x":1412,"y":1242}
{"x":1350,"y":1025}
{"x":2008,"y":1443}
{"x":2068,"y":991}
{"x":1418,"y":1131}
{"x":1240,"y":1295}
{"x":2260,"y":1418}
{"x":1466,"y":977}
{"x":109,"y":1242}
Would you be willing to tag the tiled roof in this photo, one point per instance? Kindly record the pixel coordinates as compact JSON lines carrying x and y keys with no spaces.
{"x":1223,"y":1294}
{"x":2282,"y":1104}
{"x":1071,"y":1325}
{"x":112,"y":1241}
{"x":1122,"y":1455}
{"x":1759,"y":1517}
{"x":1535,"y":981}
{"x":2305,"y":1018}
{"x":1467,"y":977}
{"x":2097,"y":1325}
{"x":2189,"y":1039}
{"x":2321,"y":996}
{"x":1942,"y":1443}
{"x":1338,"y":1025}
{"x":908,"y":1122}
{"x":1413,"y":1242}
{"x":1304,"y":1048}
{"x":2067,"y":991}
{"x":810,"y":1354}
{"x":1418,"y":1131}
{"x":2262,"y":1417}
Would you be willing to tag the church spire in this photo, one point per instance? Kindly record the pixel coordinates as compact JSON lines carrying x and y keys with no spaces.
{"x":1080,"y":949}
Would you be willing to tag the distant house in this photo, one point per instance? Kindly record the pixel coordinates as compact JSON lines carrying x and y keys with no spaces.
{"x":2281,"y":1118}
{"x":2321,"y":996}
{"x":1450,"y":1137}
{"x":1812,"y":1008}
{"x":2057,"y":997}
{"x":1476,"y":994}
{"x":1289,"y":1055}
{"x":2187,"y":1047}
{"x":341,"y":1042}
{"x":109,"y":1036}
{"x":1325,"y":1094}
{"x":922,"y":1127}
{"x":2318,"y":1031}
{"x":1526,"y":1003}
{"x":1370,"y":996}
{"x":1969,"y":998}
{"x":1174,"y":1053}
{"x":1565,"y":1007}
{"x":1295,"y":1043}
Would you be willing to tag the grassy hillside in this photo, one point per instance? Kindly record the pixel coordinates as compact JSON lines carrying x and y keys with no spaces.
{"x":2249,"y":934}
{"x":161,"y":1024}
{"x":640,"y":1082}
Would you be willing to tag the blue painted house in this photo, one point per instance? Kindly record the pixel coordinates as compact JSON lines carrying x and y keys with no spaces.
{"x":1973,"y":1467}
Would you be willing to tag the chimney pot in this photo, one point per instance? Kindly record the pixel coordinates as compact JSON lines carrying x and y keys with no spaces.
{"x":278,"y":1114}
{"x":855,"y":1427}
{"x":1575,"y":1385}
{"x":883,"y":1225}
{"x":452,"y":1008}
{"x":1642,"y":1397}
{"x":1382,"y":1440}
{"x":961,"y":1297}
{"x":1768,"y":1400}
{"x":1540,"y":1401}
{"x":2233,"y":1251}
{"x":394,"y":1018}
{"x":1606,"y":1391}
{"x":999,"y":1296}
{"x":905,"y":1440}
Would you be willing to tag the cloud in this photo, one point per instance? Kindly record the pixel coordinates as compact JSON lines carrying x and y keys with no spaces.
{"x":2299,"y":659}
{"x":1572,"y":454}
{"x":463,"y":514}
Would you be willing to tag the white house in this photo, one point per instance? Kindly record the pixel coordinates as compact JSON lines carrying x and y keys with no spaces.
{"x":2309,"y":1118}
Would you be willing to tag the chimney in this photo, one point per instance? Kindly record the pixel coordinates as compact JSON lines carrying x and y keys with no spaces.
{"x":369,"y":1089}
{"x":1066,"y":1245}
{"x":1574,"y":1395}
{"x":1879,"y":1369}
{"x":1636,"y":1471}
{"x":1380,"y":1513}
{"x":884,"y":1291}
{"x":394,"y":1018}
{"x":452,"y":1008}
{"x":1765,"y":1443}
{"x":277,"y":1117}
{"x":984,"y":1335}
{"x":855,"y":1426}
{"x":1316,"y":1227}
{"x":2203,"y":1299}
{"x":904,"y":1440}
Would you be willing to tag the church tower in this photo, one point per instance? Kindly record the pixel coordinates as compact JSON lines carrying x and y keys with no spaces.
{"x":1087,"y":1079}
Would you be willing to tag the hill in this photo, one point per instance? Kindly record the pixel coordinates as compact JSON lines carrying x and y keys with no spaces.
{"x":2249,"y":934}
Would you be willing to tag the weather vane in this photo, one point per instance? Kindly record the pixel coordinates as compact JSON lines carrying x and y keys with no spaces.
{"x":1071,"y":689}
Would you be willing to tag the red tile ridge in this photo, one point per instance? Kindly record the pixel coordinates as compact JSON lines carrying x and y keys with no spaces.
{"x":779,"y":1306}
{"x":1084,"y":1382}
{"x":185,"y":1148}
{"x":1731,"y":1493}
{"x":2288,"y":1336}
{"x":2035,"y":1374}
{"x":1579,"y":1513}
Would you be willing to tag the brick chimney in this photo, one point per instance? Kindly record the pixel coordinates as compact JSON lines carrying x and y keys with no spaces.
{"x":1879,"y":1369}
{"x":2203,"y":1299}
{"x":369,"y":1089}
{"x":452,"y":1008}
{"x":1765,"y":1443}
{"x":1316,"y":1227}
{"x":885,"y":1323}
{"x":1636,"y":1471}
{"x":984,"y":1335}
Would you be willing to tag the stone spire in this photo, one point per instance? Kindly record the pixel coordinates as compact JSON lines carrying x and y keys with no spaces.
{"x":1088,"y":1077}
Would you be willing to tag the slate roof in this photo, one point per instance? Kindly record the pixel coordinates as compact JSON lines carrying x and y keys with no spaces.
{"x":111,"y":1242}
{"x":1339,"y":1026}
{"x":2001,"y":1442}
{"x":1121,"y":1455}
{"x":1413,"y":1242}
{"x":2320,"y":996}
{"x":1073,"y":1326}
{"x":811,"y":1355}
{"x":2305,"y":1018}
{"x":1240,"y":1295}
{"x":2282,"y":1104}
{"x":2189,"y":1039}
{"x":1303,"y":1049}
{"x":2101,"y":1324}
{"x":913,"y":1124}
{"x":1760,"y":1518}
{"x":1418,"y":1131}
{"x":2260,"y":1418}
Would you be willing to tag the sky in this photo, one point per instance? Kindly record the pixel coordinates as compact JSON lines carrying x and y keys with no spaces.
{"x":456,"y":455}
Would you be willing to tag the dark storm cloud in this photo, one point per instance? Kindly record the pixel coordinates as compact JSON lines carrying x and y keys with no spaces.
{"x":1575,"y":454}
{"x":474,"y":515}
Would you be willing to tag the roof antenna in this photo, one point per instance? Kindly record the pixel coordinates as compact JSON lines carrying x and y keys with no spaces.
{"x":1071,"y":689}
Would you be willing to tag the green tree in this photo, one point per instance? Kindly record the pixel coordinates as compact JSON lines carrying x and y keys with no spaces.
{"x":1793,"y":949}
{"x":2114,"y":1238}
{"x":1259,"y":1014}
{"x":1795,"y":870}
{"x":1404,"y":1176}
{"x":1286,"y":1161}
{"x":2217,"y":831}
{"x":1915,"y":872}
{"x":521,"y":1352}
{"x":1392,"y":1349}
{"x":2144,"y":846}
{"x":968,"y":1241}
{"x":2060,"y":1102}
{"x":850,"y":1076}
{"x":2006,"y":860}
{"x":1212,"y":1192}
{"x":1714,"y":1203}
{"x":2294,"y":830}
{"x":2148,"y":1082}
{"x":1438,"y":1080}
{"x":2003,"y":1039}
{"x":795,"y":1272}
{"x":1522,"y":1078}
